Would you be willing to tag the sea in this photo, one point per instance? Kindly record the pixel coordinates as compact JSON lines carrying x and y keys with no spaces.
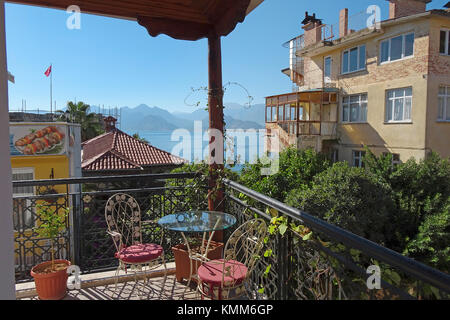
{"x":241,"y":146}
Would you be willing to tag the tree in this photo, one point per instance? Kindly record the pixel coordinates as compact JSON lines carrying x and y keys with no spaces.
{"x":138,"y":137}
{"x":351,"y":198}
{"x":431,"y":244}
{"x":421,"y":189}
{"x":296,"y":168}
{"x":91,"y":124}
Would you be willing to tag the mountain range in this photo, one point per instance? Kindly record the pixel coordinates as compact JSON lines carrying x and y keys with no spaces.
{"x":157,"y":119}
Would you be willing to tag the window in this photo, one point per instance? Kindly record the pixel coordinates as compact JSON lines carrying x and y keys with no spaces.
{"x":271,"y":114}
{"x":354,"y":108}
{"x":22,"y":207}
{"x":395,"y":158}
{"x":293,"y":112}
{"x":327,"y":69}
{"x":444,"y":43}
{"x":334,"y":155}
{"x":288,"y":112}
{"x":280,"y":113}
{"x":397,"y":48}
{"x":358,"y":158}
{"x":444,"y":103}
{"x":398,"y":105}
{"x":354,"y":59}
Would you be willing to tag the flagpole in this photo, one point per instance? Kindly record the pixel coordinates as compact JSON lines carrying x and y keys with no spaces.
{"x":51,"y":89}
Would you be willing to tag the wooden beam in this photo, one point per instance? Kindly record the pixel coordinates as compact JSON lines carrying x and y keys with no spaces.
{"x":176,"y":29}
{"x":180,"y":19}
{"x":179,"y":10}
{"x":227,"y":15}
{"x":223,"y":17}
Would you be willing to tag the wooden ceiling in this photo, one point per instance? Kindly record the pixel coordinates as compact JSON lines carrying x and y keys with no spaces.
{"x":180,"y":19}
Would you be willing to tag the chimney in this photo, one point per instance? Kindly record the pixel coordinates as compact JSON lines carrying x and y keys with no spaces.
{"x":403,"y":8}
{"x":343,"y":23}
{"x":110,"y":123}
{"x":313,"y":29}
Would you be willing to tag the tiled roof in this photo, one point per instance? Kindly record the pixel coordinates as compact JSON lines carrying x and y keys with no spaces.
{"x":116,"y":150}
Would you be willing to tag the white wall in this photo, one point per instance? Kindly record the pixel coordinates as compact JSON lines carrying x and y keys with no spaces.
{"x":7,"y":281}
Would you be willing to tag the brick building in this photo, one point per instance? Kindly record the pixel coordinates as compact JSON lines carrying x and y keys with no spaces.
{"x":386,"y":87}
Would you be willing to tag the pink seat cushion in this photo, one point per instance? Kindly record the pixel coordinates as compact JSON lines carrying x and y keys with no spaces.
{"x":211,"y":272}
{"x":140,"y":253}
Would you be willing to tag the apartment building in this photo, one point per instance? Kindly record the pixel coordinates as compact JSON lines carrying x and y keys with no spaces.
{"x":386,"y":86}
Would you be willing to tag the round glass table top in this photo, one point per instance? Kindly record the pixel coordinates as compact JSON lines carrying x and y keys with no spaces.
{"x":197,"y":221}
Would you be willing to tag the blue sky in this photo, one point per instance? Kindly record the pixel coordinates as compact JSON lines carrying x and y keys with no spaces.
{"x":115,"y":62}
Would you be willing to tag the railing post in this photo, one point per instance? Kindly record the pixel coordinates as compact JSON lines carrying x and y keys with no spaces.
{"x":281,"y":267}
{"x":76,"y":214}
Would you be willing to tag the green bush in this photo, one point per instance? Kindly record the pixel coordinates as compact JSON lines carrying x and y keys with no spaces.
{"x":296,"y":168}
{"x":351,"y":198}
{"x":421,"y":189}
{"x":431,"y":244}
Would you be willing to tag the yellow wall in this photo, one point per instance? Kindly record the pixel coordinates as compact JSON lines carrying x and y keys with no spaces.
{"x":424,"y":72}
{"x":42,"y":166}
{"x":438,"y":133}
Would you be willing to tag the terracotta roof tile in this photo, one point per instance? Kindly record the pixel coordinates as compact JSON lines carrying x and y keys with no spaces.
{"x":116,"y":150}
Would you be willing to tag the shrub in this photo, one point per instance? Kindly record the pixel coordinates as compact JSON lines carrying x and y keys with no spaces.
{"x":431,"y":244}
{"x":420,"y":189}
{"x":351,"y":198}
{"x":296,"y":168}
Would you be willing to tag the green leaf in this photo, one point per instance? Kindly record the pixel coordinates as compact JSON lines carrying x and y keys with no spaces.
{"x":268,"y":253}
{"x":267,"y":270}
{"x":307,"y":236}
{"x":283,"y":228}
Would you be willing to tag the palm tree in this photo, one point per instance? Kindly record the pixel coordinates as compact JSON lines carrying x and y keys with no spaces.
{"x":91,"y":124}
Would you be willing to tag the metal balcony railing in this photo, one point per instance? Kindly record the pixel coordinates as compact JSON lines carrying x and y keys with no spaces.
{"x":320,"y":262}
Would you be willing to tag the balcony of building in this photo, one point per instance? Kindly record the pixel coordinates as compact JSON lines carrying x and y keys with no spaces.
{"x":297,"y":116}
{"x":315,"y":260}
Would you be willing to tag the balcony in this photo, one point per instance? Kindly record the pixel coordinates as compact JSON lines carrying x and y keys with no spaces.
{"x":296,"y":70}
{"x":332,"y":264}
{"x":302,"y":118}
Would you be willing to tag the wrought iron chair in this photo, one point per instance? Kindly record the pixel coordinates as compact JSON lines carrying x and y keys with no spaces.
{"x":123,"y":218}
{"x":228,"y":278}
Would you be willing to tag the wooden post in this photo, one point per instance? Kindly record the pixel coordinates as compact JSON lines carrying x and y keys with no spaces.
{"x":7,"y":281}
{"x":215,"y":108}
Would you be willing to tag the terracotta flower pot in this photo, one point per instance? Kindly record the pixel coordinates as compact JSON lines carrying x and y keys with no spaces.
{"x":52,"y":285}
{"x":182,"y":264}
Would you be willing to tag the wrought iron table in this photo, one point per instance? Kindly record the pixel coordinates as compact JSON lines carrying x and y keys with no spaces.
{"x":197,"y":222}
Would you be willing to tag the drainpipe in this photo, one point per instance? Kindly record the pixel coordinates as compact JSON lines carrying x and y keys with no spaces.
{"x":7,"y":277}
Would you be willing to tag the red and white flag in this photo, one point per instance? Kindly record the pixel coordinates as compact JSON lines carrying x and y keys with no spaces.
{"x":49,"y":70}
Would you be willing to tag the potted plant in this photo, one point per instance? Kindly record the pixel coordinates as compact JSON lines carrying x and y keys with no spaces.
{"x":181,"y":255}
{"x":50,"y":277}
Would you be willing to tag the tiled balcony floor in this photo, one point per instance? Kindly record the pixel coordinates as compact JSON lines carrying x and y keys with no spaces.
{"x":101,"y":287}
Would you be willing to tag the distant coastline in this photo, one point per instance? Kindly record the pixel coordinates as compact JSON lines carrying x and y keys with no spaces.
{"x":155,"y":119}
